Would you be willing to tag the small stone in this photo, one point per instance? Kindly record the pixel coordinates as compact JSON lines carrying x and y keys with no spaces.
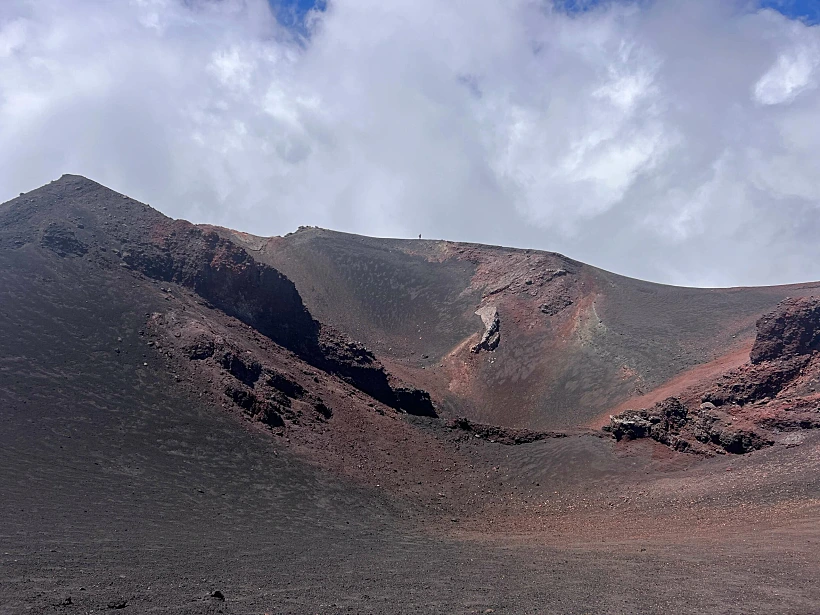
{"x":218,"y":595}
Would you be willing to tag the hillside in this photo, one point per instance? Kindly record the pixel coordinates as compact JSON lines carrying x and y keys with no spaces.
{"x":197,"y":420}
{"x":576,"y":342}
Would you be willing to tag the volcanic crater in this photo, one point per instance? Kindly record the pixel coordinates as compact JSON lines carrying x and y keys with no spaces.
{"x":199,"y":420}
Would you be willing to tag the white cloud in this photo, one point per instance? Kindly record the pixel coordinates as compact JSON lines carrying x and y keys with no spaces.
{"x":673,"y":141}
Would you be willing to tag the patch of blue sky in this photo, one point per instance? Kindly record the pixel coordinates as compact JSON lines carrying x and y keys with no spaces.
{"x":807,"y":11}
{"x":292,"y":13}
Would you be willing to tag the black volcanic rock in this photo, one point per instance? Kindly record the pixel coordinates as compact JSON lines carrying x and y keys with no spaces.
{"x":670,"y":423}
{"x":792,"y":329}
{"x":228,"y":278}
{"x":355,"y":364}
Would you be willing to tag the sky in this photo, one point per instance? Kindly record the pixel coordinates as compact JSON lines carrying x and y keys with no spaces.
{"x":677,"y":142}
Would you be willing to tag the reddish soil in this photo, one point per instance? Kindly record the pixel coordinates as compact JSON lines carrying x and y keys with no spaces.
{"x":183,"y":429}
{"x":682,"y":384}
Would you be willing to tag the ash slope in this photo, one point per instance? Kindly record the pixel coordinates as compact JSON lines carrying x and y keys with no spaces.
{"x":576,"y":343}
{"x":163,"y":438}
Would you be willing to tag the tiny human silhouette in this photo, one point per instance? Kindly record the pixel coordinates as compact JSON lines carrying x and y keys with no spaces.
{"x":419,"y":235}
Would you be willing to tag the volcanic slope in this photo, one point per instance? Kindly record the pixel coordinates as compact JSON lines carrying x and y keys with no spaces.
{"x":178,"y":433}
{"x":574,"y":343}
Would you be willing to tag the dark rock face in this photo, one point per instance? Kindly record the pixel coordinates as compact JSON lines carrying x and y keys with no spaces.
{"x":355,"y":364}
{"x":755,"y":382}
{"x":792,"y":329}
{"x":670,"y":423}
{"x":282,"y":383}
{"x":414,"y":401}
{"x":244,"y":369}
{"x":63,"y":241}
{"x":228,"y":278}
{"x":663,"y":423}
{"x":323,"y":410}
{"x":715,"y":427}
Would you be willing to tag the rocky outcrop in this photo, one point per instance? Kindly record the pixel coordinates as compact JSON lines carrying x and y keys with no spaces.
{"x":258,"y":295}
{"x":705,"y":430}
{"x":63,"y":241}
{"x":228,"y":278}
{"x":244,"y":368}
{"x":663,"y":423}
{"x":501,"y":435}
{"x":781,"y":358}
{"x":746,"y":407}
{"x":751,"y":383}
{"x":793,"y":329}
{"x":715,"y":427}
{"x":355,"y":364}
{"x":261,"y":392}
{"x":492,"y":324}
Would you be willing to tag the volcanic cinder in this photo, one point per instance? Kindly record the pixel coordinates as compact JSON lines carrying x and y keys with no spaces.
{"x":198,"y":420}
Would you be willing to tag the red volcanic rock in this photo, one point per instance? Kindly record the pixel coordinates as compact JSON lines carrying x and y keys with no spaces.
{"x":774,"y":392}
{"x":751,"y":383}
{"x":792,"y":329}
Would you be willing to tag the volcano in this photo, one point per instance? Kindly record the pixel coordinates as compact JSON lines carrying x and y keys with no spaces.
{"x":198,"y":420}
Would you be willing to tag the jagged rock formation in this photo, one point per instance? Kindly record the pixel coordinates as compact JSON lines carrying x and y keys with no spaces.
{"x":745,"y":408}
{"x":492,"y":324}
{"x":792,"y":330}
{"x":258,"y":295}
{"x":705,"y":430}
{"x":258,"y":389}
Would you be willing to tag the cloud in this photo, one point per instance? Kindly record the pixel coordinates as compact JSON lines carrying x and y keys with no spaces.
{"x":674,"y":142}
